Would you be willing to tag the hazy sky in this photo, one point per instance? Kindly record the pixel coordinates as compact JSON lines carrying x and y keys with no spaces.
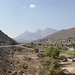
{"x":16,"y":16}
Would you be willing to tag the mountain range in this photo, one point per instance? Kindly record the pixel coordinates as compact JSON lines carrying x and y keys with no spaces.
{"x":28,"y":36}
{"x":66,"y":36}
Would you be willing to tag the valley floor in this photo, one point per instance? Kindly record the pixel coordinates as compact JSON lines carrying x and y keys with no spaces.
{"x":26,"y":62}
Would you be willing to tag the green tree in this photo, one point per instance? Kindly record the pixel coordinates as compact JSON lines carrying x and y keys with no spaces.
{"x":39,"y":44}
{"x":48,"y":51}
{"x":55,"y":53}
{"x":18,"y":49}
{"x":52,"y":52}
{"x":32,"y":43}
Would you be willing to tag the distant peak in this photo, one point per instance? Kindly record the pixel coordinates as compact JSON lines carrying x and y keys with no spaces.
{"x":38,"y":30}
{"x":27,"y":31}
{"x":50,"y":29}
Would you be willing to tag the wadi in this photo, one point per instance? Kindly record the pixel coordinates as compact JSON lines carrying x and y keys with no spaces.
{"x":37,"y":37}
{"x":38,"y":58}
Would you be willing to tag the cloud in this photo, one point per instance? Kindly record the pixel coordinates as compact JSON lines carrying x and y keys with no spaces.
{"x":32,"y":6}
{"x":24,"y":7}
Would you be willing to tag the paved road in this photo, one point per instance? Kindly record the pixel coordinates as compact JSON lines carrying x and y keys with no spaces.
{"x":12,"y":46}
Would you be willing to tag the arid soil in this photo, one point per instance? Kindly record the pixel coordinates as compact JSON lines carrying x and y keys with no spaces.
{"x":68,"y":65}
{"x":32,"y":65}
{"x":26,"y":62}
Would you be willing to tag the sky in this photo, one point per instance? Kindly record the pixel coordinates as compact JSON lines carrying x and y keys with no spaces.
{"x":17,"y":16}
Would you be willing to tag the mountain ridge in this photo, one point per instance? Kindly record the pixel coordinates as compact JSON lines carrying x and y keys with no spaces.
{"x":66,"y":36}
{"x":31,"y":36}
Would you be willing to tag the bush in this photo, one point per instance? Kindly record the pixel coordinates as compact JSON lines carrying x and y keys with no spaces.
{"x":27,"y":58}
{"x":23,"y":65}
{"x":39,"y":44}
{"x":30,"y":46}
{"x":18,"y":49}
{"x":15,"y":49}
{"x":55,"y":53}
{"x":31,"y":43}
{"x":51,"y":67}
{"x":48,"y":51}
{"x":36,"y":50}
{"x":52,"y":52}
{"x":61,"y":57}
{"x":41,"y":55}
{"x":65,"y":48}
{"x":17,"y":61}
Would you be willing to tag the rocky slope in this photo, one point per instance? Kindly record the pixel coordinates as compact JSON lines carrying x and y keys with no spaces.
{"x":6,"y":40}
{"x":5,"y":62}
{"x":31,"y":36}
{"x":64,"y":36}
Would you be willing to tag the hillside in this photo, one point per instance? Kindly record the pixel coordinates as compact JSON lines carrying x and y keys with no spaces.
{"x":28,"y":36}
{"x":64,"y":36}
{"x":5,"y":62}
{"x":6,"y":40}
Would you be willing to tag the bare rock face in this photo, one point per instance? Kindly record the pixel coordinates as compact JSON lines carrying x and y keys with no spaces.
{"x":6,"y":40}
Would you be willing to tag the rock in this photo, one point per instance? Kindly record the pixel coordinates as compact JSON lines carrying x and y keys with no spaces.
{"x":64,"y":60}
{"x":9,"y":72}
{"x":14,"y":73}
{"x":25,"y":67}
{"x":24,"y":74}
{"x":73,"y":60}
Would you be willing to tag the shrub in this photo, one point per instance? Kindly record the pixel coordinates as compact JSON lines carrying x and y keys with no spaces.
{"x":61,"y":57}
{"x":36,"y":50}
{"x":32,"y":43}
{"x":9,"y":50}
{"x":39,"y":44}
{"x":30,"y":46}
{"x":48,"y":51}
{"x":55,"y":53}
{"x":52,"y":52}
{"x":17,"y":61}
{"x":51,"y":67}
{"x":23,"y":65}
{"x":18,"y":49}
{"x":27,"y":58}
{"x":15,"y":49}
{"x":64,"y":48}
{"x":41,"y":55}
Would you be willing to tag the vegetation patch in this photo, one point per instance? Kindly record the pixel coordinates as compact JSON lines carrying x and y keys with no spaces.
{"x":23,"y":65}
{"x":27,"y":58}
{"x":36,"y":50}
{"x":41,"y":55}
{"x":51,"y":67}
{"x":52,"y":52}
{"x":61,"y":57}
{"x":69,"y":52}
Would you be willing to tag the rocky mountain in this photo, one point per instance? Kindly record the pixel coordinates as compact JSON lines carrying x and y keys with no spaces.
{"x":31,"y":36}
{"x":6,"y":40}
{"x":64,"y":36}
